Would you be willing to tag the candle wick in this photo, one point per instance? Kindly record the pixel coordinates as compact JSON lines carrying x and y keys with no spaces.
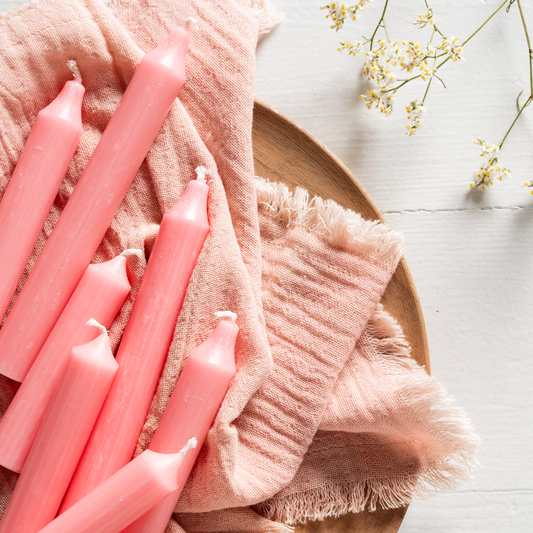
{"x":227,"y":314}
{"x":73,"y":66}
{"x":202,"y":172}
{"x":95,"y":323}
{"x":189,"y":21}
{"x":191,"y":444}
{"x":132,"y":251}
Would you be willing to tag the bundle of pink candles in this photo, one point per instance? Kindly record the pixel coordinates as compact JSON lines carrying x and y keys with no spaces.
{"x":72,"y":427}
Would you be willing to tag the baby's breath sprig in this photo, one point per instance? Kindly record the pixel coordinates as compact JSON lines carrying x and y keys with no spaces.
{"x":490,"y":170}
{"x":385,"y":60}
{"x":340,"y":12}
{"x":415,"y":112}
{"x":425,"y":18}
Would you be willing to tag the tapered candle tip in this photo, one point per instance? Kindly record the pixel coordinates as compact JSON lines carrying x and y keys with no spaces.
{"x":189,"y":21}
{"x":132,"y":251}
{"x":227,"y":314}
{"x":96,"y":324}
{"x":191,"y":444}
{"x":73,"y":66}
{"x":202,"y":172}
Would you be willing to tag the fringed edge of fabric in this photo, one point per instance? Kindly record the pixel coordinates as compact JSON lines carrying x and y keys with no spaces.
{"x":19,"y":10}
{"x":430,"y":403}
{"x":341,"y":227}
{"x":432,"y":406}
{"x":336,"y":500}
{"x":268,"y":15}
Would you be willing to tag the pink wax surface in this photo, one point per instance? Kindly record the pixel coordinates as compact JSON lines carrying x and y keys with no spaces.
{"x":145,"y":343}
{"x":192,"y":409}
{"x":34,"y":185}
{"x":99,"y":295}
{"x":92,"y":206}
{"x":61,"y":438}
{"x":122,"y":498}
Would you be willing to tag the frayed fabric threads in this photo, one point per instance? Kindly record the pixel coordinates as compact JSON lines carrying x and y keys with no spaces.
{"x":342,"y":227}
{"x":269,"y":16}
{"x":424,"y":443}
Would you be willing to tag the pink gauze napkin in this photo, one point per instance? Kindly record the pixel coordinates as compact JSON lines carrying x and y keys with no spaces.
{"x":327,"y":413}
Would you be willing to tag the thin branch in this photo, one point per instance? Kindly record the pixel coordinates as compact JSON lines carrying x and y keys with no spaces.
{"x":379,"y":24}
{"x":502,"y":5}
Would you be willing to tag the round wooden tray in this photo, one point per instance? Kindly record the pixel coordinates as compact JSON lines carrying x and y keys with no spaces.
{"x":284,"y":152}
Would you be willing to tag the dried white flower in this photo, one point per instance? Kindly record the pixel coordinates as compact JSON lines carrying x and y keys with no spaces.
{"x":490,"y":171}
{"x":425,"y":19}
{"x":451,"y":47}
{"x":340,"y":12}
{"x":375,"y":67}
{"x":415,"y":56}
{"x":353,"y":47}
{"x":415,"y":121}
{"x":382,"y":100}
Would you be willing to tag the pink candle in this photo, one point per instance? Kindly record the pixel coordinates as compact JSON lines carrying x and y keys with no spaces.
{"x":125,"y":496}
{"x":146,"y":341}
{"x":61,"y":437}
{"x":87,"y":215}
{"x":192,"y":409}
{"x":99,"y":295}
{"x":34,"y":184}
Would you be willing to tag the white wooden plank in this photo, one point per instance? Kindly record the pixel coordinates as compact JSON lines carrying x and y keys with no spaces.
{"x":471,"y":272}
{"x":469,"y":512}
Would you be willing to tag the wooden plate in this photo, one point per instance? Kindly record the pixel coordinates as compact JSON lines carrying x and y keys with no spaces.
{"x":284,"y":152}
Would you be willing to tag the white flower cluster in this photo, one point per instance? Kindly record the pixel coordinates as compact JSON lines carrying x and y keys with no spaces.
{"x":415,"y":56}
{"x":415,"y":121}
{"x":425,"y":19}
{"x":376,"y":67}
{"x":340,"y":12}
{"x":452,"y":47}
{"x":529,"y":184}
{"x":382,"y":100}
{"x":490,"y":171}
{"x":353,"y":47}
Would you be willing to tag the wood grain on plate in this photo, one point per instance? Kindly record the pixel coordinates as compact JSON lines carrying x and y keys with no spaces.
{"x":286,"y":153}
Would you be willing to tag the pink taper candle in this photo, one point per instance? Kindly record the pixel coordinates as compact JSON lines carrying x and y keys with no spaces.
{"x":146,"y":341}
{"x":99,"y":295}
{"x":34,"y":185}
{"x":92,"y":206}
{"x":192,"y":409}
{"x":61,"y":437}
{"x":125,"y":496}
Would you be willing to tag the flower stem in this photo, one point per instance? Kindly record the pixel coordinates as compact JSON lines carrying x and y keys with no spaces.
{"x":494,"y":13}
{"x":394,"y":89}
{"x":530,"y":53}
{"x":379,"y":24}
{"x":427,"y":90}
{"x":529,"y":48}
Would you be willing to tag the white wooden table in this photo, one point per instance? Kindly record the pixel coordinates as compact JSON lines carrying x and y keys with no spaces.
{"x":470,"y":254}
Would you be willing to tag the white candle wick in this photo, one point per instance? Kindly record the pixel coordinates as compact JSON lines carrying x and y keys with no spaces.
{"x":202,"y":172}
{"x":191,"y":444}
{"x":189,"y":21}
{"x":73,"y":66}
{"x":227,"y":314}
{"x":132,"y":251}
{"x":96,"y":324}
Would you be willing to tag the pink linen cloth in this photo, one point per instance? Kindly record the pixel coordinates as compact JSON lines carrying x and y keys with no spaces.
{"x":327,"y":413}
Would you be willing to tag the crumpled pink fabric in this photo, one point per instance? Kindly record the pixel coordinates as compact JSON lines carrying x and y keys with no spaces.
{"x":327,"y":413}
